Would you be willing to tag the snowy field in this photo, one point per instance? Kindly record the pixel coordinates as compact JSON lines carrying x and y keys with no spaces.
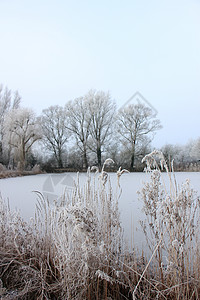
{"x":21,"y":193}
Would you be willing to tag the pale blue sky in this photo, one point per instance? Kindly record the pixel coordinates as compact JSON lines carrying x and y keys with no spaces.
{"x":55,"y":51}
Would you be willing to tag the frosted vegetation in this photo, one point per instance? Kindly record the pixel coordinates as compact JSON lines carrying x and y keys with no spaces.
{"x":82,"y":133}
{"x":75,"y":249}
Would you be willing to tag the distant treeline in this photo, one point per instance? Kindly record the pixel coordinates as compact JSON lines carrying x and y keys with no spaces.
{"x":83,"y":133}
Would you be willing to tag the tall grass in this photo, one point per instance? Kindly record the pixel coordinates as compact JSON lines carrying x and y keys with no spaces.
{"x":74,"y":248}
{"x":70,"y":250}
{"x":172,"y":228}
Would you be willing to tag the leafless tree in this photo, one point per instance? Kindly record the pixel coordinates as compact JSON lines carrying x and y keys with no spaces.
{"x":172,"y":153}
{"x":102,"y":113}
{"x":136,"y":125}
{"x":21,"y":131}
{"x":79,"y":121}
{"x":8,"y":101}
{"x":195,"y":151}
{"x":55,"y":132}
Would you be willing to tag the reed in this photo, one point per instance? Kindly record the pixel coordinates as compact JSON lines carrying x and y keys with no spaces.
{"x":74,"y":248}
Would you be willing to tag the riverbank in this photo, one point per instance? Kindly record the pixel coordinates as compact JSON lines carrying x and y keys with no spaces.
{"x":5,"y":173}
{"x":15,"y":173}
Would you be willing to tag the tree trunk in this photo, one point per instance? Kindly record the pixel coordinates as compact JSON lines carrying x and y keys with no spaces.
{"x":22,"y":157}
{"x":85,"y":162}
{"x":60,"y":162}
{"x":132,"y":157}
{"x":99,"y":157}
{"x":21,"y":165}
{"x":1,"y":152}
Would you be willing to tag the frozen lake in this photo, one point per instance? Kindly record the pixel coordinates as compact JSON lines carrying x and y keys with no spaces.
{"x":21,"y":195}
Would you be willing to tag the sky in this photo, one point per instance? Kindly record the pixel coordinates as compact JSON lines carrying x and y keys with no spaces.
{"x":56,"y":51}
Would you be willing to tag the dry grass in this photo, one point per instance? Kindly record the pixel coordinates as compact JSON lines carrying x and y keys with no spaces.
{"x":172,"y":229}
{"x":74,"y":249}
{"x":5,"y":173}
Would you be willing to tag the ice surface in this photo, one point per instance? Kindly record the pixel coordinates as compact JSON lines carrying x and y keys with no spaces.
{"x":21,"y":192}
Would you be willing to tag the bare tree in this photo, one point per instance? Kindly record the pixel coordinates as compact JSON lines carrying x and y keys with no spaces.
{"x":102,"y":113}
{"x":172,"y":153}
{"x":21,"y":131}
{"x":79,"y":121}
{"x":55,"y":132}
{"x":8,"y":101}
{"x":136,"y":124}
{"x":195,"y":151}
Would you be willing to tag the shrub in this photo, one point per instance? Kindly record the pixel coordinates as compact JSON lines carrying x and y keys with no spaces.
{"x":36,"y":169}
{"x":2,"y":168}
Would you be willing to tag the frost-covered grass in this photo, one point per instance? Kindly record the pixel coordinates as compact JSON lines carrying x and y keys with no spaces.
{"x":74,"y":248}
{"x":172,"y":229}
{"x":5,"y":173}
